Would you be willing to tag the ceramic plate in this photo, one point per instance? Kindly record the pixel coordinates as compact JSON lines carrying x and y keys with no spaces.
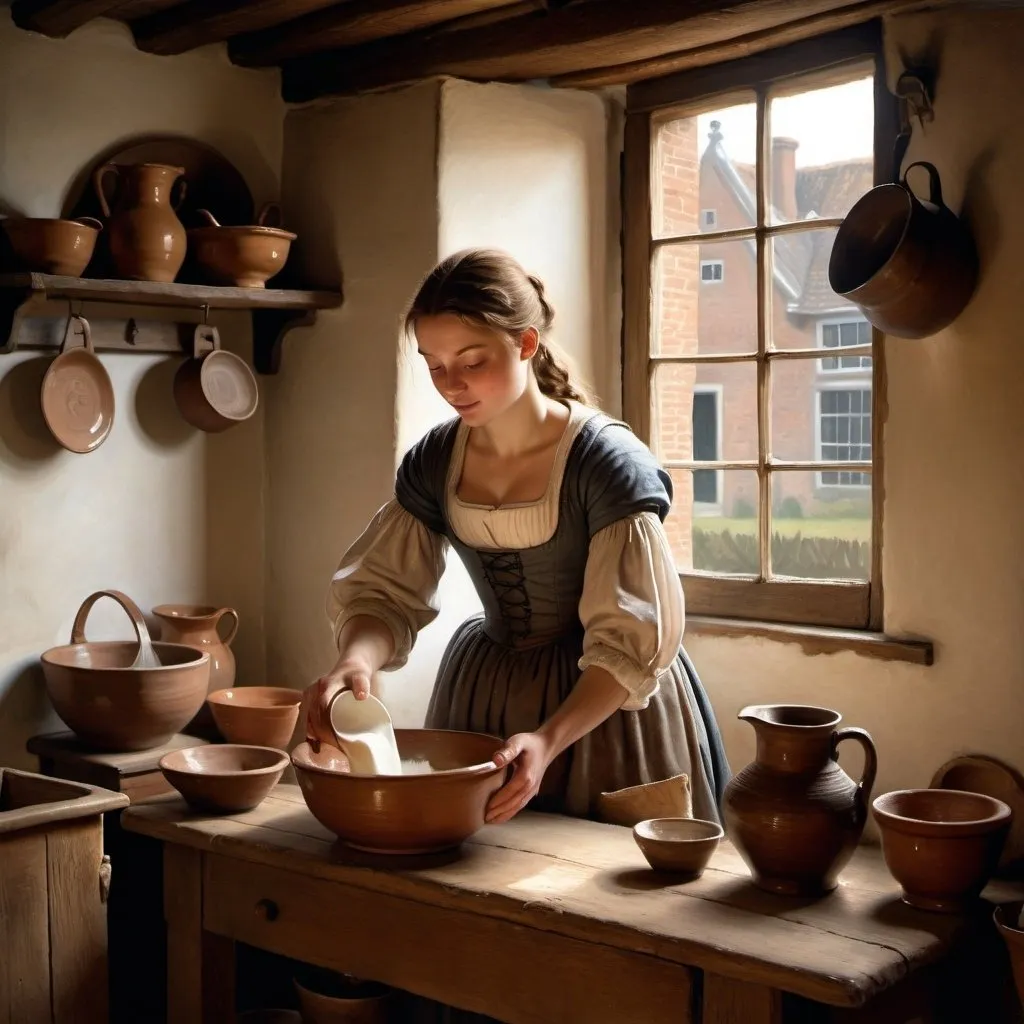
{"x":78,"y":401}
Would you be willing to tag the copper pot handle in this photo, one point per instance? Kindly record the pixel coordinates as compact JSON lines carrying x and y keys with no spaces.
{"x":233,"y":631}
{"x":208,"y":217}
{"x":130,"y":607}
{"x":867,"y":779}
{"x":97,"y":183}
{"x":935,"y":185}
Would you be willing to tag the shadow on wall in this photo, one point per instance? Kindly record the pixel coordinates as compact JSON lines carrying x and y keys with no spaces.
{"x":23,"y":700}
{"x":25,"y":440}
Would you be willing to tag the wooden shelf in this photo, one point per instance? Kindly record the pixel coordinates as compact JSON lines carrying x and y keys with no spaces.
{"x":29,"y":319}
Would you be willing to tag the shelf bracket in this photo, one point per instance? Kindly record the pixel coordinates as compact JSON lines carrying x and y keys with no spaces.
{"x":16,"y":305}
{"x":269,"y":328}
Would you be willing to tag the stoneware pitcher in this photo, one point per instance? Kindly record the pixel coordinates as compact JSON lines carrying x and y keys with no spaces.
{"x":147,"y":240}
{"x":793,"y":814}
{"x":197,"y":625}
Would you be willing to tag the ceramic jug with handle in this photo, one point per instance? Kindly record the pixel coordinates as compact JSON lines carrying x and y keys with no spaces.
{"x":793,"y":814}
{"x":147,"y":240}
{"x":197,"y":625}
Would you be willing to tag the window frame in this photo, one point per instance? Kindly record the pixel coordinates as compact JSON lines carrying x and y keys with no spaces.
{"x":820,"y":387}
{"x":708,"y":508}
{"x":839,"y":371}
{"x":844,"y":604}
{"x":712,"y":280}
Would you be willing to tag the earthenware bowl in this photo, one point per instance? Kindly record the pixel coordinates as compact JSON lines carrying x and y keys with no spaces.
{"x":682,"y":846}
{"x":422,"y":811}
{"x":49,"y":245}
{"x":262,"y":716}
{"x":327,"y":997}
{"x":112,"y":706}
{"x":941,"y":845}
{"x":224,"y":777}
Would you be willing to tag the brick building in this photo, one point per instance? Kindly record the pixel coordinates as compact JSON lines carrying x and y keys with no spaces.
{"x":705,"y":302}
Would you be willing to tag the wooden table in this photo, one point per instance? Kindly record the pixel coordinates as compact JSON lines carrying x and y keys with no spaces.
{"x":549,"y":919}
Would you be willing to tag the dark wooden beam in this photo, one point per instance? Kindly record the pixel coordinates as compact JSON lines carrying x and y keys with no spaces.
{"x":129,"y":10}
{"x":545,"y":44}
{"x":732,"y":49}
{"x":199,"y":22}
{"x":352,"y":24}
{"x":58,"y":18}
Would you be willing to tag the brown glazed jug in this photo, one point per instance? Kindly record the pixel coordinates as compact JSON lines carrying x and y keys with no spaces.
{"x":793,"y":814}
{"x":147,"y":240}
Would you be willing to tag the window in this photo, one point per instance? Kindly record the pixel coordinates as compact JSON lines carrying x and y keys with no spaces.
{"x":837,"y":334}
{"x":774,"y":518}
{"x":712,"y":271}
{"x":844,"y":434}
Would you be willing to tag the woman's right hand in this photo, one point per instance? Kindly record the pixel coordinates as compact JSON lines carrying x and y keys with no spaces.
{"x":348,"y":674}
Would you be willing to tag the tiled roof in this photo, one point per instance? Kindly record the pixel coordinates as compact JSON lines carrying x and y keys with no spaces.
{"x":801,"y":258}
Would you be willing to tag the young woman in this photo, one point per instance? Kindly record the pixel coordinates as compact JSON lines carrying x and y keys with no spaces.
{"x":556,"y":511}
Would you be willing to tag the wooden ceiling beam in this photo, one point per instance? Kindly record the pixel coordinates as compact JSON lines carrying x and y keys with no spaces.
{"x":58,"y":18}
{"x":731,"y":49}
{"x":352,"y":24}
{"x":199,"y":22}
{"x":546,"y":44}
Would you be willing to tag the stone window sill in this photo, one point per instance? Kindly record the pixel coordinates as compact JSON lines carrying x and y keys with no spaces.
{"x":818,"y":639}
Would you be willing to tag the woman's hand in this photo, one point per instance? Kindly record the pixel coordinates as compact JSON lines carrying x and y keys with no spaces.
{"x":529,"y":753}
{"x":350,"y":673}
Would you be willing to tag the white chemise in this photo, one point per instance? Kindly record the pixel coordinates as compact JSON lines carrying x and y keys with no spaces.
{"x":631,"y":608}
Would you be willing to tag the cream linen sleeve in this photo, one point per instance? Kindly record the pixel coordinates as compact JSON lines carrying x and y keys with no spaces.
{"x":632,"y":606}
{"x":390,"y":572}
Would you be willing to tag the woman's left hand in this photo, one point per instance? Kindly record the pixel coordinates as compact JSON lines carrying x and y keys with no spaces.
{"x":529,"y":753}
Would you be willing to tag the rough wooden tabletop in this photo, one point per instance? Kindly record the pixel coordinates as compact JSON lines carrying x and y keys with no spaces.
{"x":589,"y":881}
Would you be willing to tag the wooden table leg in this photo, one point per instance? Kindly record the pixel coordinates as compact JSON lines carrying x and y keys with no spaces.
{"x":730,"y":1001}
{"x":200,"y":965}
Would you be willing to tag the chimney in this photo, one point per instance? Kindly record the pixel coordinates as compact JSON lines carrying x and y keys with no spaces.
{"x":783,"y":176}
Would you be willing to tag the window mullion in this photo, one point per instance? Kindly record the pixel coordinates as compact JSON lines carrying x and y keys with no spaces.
{"x":763,"y":369}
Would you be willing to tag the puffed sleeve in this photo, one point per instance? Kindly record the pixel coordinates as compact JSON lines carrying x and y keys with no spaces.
{"x":390,"y":572}
{"x":632,"y":606}
{"x":620,"y":477}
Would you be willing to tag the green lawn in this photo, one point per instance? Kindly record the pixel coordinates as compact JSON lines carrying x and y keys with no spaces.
{"x":844,"y":529}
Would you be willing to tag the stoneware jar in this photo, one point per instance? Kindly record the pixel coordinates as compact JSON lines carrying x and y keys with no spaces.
{"x":793,"y":814}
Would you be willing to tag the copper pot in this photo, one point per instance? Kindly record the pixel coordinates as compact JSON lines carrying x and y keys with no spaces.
{"x":910,"y":264}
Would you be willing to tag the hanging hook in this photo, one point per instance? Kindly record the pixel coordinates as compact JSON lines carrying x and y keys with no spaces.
{"x":206,"y":314}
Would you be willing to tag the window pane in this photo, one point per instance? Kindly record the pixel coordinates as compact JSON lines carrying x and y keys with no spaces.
{"x":822,"y":150}
{"x":704,"y":164}
{"x":820,"y":531}
{"x":705,"y":299}
{"x":705,"y":411}
{"x":717,"y":535}
{"x":813,"y":419}
{"x":805,"y":310}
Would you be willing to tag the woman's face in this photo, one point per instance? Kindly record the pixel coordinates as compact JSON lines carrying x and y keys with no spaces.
{"x":476,"y":370}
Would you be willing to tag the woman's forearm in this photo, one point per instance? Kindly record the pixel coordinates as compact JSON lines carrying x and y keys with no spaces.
{"x":368,"y":640}
{"x":595,"y":697}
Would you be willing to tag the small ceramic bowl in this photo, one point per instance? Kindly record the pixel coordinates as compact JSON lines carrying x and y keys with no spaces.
{"x":224,"y":777}
{"x":941,"y":845}
{"x":682,"y":846}
{"x":261,"y":716}
{"x":1008,"y":923}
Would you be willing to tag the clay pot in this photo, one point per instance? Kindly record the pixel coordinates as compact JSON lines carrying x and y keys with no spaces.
{"x":224,"y":777}
{"x":246,"y":256}
{"x":48,"y":245}
{"x":793,"y":814}
{"x":1007,"y":920}
{"x":147,"y":240}
{"x":215,"y":389}
{"x":941,"y":845}
{"x":112,"y":706}
{"x":422,"y":812}
{"x":262,"y":715}
{"x":327,"y":997}
{"x":910,"y":264}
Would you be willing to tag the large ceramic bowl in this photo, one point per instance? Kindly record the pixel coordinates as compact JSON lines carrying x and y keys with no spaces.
{"x":112,"y":706}
{"x":941,"y":845}
{"x":435,"y":806}
{"x":262,"y":715}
